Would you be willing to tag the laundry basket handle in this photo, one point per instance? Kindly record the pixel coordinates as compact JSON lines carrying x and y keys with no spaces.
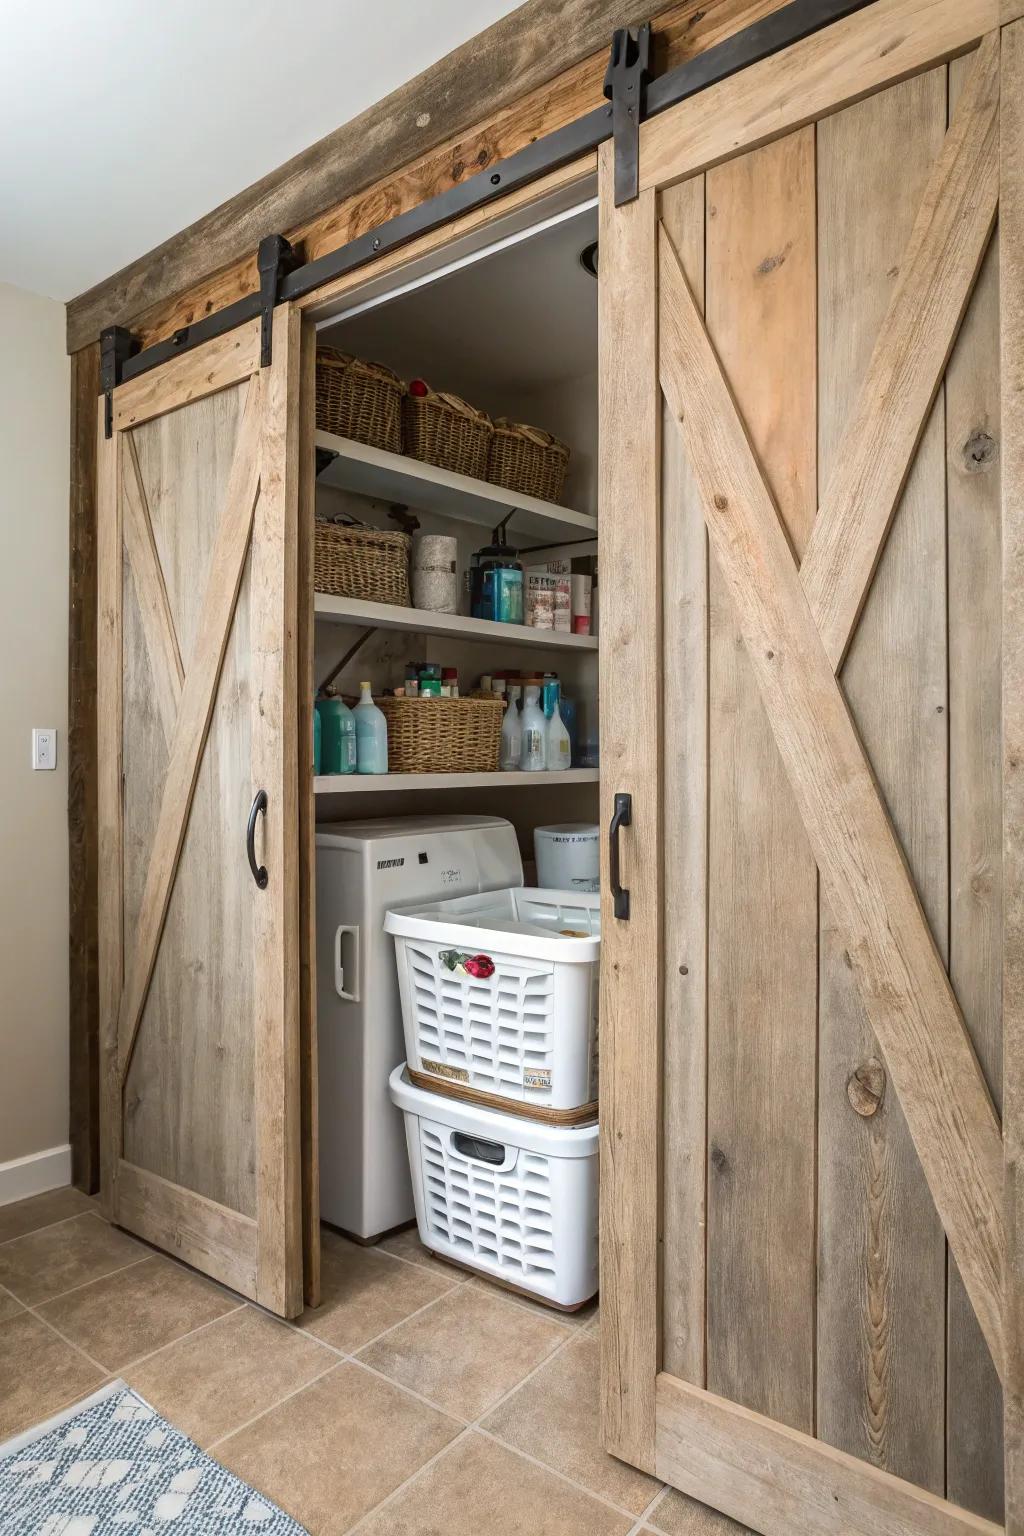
{"x":478,"y":1149}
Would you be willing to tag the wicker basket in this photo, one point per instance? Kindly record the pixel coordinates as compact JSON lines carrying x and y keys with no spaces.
{"x":362,"y":562}
{"x":527,"y":460}
{"x":443,"y":735}
{"x":358,"y":400}
{"x":446,"y":431}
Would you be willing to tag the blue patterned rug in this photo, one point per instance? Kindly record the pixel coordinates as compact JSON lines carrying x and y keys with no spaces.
{"x":113,"y":1467}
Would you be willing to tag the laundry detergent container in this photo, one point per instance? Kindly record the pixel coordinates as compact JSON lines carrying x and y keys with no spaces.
{"x":512,"y":1198}
{"x":499,"y":997}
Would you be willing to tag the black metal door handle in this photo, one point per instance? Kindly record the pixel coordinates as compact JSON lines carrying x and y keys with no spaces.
{"x":621,"y":817}
{"x":259,"y":806}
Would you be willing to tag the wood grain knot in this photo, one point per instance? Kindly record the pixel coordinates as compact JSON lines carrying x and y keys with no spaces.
{"x":866,"y":1087}
{"x":721,"y":502}
{"x":979,"y":452}
{"x":719,"y":1161}
{"x":773,"y":263}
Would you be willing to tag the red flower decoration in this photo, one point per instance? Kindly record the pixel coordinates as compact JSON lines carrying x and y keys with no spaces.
{"x":480,"y":966}
{"x":418,"y":387}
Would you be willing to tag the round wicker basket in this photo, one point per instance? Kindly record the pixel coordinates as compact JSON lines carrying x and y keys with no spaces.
{"x":358,"y":400}
{"x":527,"y":460}
{"x":447,"y":431}
{"x":433,"y":735}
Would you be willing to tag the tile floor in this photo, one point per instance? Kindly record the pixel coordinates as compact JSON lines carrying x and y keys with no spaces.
{"x":416,"y":1400}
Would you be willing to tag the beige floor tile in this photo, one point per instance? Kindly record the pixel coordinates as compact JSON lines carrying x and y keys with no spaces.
{"x":123,"y":1316}
{"x":41,"y":1211}
{"x":479,"y":1488}
{"x":579,"y":1319}
{"x":406,"y":1244}
{"x":9,"y":1305}
{"x":677,"y":1515}
{"x":39,"y":1373}
{"x":338,"y":1447}
{"x":214,"y":1381}
{"x":555,"y":1417}
{"x":467,"y":1351}
{"x":366,"y":1292}
{"x":46,"y":1263}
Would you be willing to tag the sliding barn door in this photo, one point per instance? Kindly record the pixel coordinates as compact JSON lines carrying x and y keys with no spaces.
{"x":199,"y":835}
{"x":811,"y":525}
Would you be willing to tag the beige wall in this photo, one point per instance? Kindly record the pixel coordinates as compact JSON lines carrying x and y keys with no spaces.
{"x":34,"y":435}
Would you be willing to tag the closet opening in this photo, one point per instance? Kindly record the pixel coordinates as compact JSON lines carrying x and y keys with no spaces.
{"x":457,"y":408}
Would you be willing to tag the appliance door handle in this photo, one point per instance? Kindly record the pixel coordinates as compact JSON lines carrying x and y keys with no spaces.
{"x":350,"y":994}
{"x":622,"y":816}
{"x":258,"y":808}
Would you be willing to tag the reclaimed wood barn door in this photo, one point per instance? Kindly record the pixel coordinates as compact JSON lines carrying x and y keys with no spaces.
{"x":812,"y":441}
{"x":198,"y":509}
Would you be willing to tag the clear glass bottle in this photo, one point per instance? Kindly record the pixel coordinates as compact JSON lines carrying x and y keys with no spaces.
{"x":511,"y":732}
{"x":532,"y":754}
{"x":371,"y":734}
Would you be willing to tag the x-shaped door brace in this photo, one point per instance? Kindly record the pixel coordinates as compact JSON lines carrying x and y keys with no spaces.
{"x":797,"y":623}
{"x":185,"y":701}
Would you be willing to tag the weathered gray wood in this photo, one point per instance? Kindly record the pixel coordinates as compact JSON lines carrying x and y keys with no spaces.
{"x":1011,"y":300}
{"x":974,"y":1404}
{"x":882,"y":1252}
{"x":685,"y":788}
{"x":83,"y":1016}
{"x":762,"y":881}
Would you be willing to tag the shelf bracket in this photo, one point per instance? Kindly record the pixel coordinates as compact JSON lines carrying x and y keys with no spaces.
{"x":275,"y":258}
{"x":117,"y":345}
{"x":625,"y":86}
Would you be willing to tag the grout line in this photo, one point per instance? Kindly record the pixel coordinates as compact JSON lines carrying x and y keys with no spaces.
{"x":449,"y":1413}
{"x":47,"y":1226}
{"x":647,"y":1517}
{"x":563,"y":1477}
{"x":393,"y":1495}
{"x":221,"y":1439}
{"x":46,"y":1300}
{"x":201,"y":1328}
{"x":103,"y":1369}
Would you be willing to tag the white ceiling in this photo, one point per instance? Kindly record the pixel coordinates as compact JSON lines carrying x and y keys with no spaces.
{"x":122,"y":121}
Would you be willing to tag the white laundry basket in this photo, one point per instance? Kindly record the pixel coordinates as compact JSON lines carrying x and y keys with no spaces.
{"x":499,"y":998}
{"x":512,"y":1198}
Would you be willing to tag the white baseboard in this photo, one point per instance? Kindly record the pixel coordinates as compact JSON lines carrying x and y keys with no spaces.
{"x":35,"y":1174}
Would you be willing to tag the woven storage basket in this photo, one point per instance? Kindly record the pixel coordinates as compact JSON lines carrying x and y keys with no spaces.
{"x":362,"y":562}
{"x":527,"y":460}
{"x":443,"y":735}
{"x":446,"y":431}
{"x":358,"y":400}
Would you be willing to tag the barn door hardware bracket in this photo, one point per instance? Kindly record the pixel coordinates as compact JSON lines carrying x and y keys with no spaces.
{"x":625,"y":86}
{"x":275,"y":258}
{"x":117,"y":345}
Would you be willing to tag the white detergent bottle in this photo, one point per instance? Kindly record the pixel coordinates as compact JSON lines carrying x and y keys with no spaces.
{"x":532,"y":757}
{"x":511,"y":732}
{"x":557,"y":748}
{"x":371,"y":734}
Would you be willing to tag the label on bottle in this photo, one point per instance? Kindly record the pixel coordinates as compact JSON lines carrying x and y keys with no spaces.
{"x":348,"y":753}
{"x":533,"y":745}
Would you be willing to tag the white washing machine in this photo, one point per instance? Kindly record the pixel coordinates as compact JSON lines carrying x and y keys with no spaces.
{"x":362,"y":869}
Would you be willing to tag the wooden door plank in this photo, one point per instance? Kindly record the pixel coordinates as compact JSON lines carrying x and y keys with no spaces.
{"x":875,"y":47}
{"x":631,"y":986}
{"x":211,"y":1237}
{"x":685,"y":791}
{"x":273,"y":611}
{"x":1011,"y":299}
{"x":215,"y":365}
{"x":151,"y":593}
{"x":310,"y":1107}
{"x":943,"y":256}
{"x":903,"y":983}
{"x":110,"y":860}
{"x":974,"y":1405}
{"x":197,"y":701}
{"x":784,"y":1483}
{"x":882,"y":1265}
{"x":762,"y":881}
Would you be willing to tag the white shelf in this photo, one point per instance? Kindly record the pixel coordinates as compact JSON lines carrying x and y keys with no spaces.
{"x":394,"y":477}
{"x":364,"y":783}
{"x":356,"y":610}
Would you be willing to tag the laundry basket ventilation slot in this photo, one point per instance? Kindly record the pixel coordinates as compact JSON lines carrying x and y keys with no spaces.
{"x":495,"y":1033}
{"x":505,"y":1218}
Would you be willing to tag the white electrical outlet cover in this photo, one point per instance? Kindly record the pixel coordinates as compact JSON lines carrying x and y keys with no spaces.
{"x":44,"y":747}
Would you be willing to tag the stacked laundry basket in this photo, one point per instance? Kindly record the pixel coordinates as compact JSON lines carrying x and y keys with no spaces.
{"x":499,"y":1091}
